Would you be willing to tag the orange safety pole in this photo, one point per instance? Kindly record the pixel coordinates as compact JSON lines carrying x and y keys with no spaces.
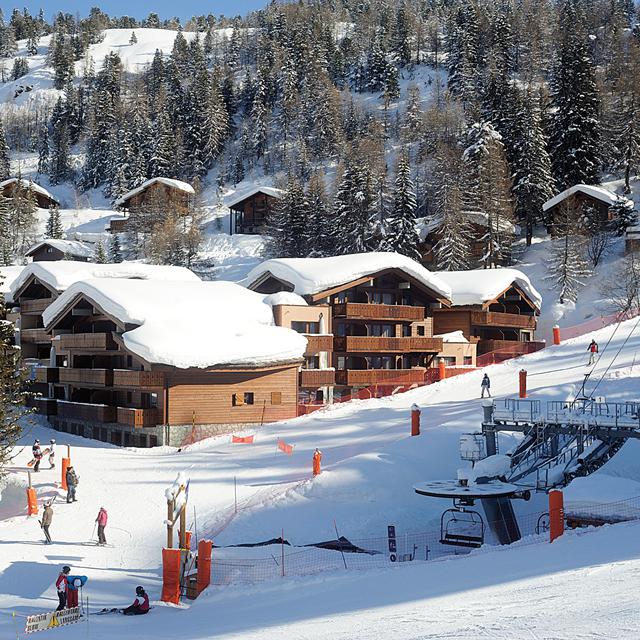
{"x":556,"y":334}
{"x":415,"y":420}
{"x":171,"y":561}
{"x":32,"y":499}
{"x":442,"y":369}
{"x":523,"y":383}
{"x":187,"y":539}
{"x":556,"y":514}
{"x":66,"y":463}
{"x":317,"y":459}
{"x":204,"y":565}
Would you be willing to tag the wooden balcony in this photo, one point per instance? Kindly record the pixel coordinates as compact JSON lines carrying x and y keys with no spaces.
{"x":117,"y":225}
{"x":46,"y":375}
{"x":138,"y":417}
{"x":88,"y":341}
{"x":34,"y":336}
{"x":378,"y":311}
{"x":45,"y":406}
{"x":496,"y":319}
{"x":515,"y":347}
{"x":375,"y":344}
{"x":34,"y":306}
{"x":318,"y":343}
{"x":134,"y":379}
{"x":367,"y":377}
{"x":86,"y":377}
{"x":317,"y":378}
{"x":85,"y":411}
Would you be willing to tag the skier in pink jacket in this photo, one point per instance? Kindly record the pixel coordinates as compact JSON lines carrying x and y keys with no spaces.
{"x":102,"y":523}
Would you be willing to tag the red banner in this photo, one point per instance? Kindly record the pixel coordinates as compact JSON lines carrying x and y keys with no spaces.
{"x":285,"y":448}
{"x":242,"y":439}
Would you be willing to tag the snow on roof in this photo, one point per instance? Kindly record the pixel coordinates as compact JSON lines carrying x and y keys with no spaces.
{"x":478,"y":286}
{"x":239,"y":196}
{"x":313,"y":275}
{"x":604,"y":195}
{"x":452,"y":337}
{"x":7,"y":277}
{"x":425,"y":226}
{"x":61,"y":274}
{"x":285,"y":297}
{"x":71,"y":247}
{"x":190,"y":324}
{"x":28,"y":184}
{"x":170,"y":182}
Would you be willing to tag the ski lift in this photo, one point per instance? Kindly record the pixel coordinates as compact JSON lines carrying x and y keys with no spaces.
{"x":461,"y":527}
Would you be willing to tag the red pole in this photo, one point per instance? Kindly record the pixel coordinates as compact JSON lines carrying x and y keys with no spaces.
{"x":556,"y":334}
{"x":523,"y":383}
{"x":415,"y":420}
{"x":442,"y":369}
{"x":556,"y":514}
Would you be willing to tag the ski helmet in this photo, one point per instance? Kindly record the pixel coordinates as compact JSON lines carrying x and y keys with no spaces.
{"x":36,"y":441}
{"x":139,"y":591}
{"x":66,"y":569}
{"x":52,"y":441}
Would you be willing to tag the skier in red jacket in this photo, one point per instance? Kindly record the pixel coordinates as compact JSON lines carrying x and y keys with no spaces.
{"x":102,"y":523}
{"x":593,"y":351}
{"x":62,"y":587}
{"x":140,"y":605}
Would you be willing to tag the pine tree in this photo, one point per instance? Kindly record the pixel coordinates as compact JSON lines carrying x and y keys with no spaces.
{"x":288,"y":222}
{"x":62,"y":60}
{"x":133,"y":39}
{"x":20,"y":68}
{"x":6,"y":255}
{"x":624,"y":215}
{"x":115,"y":252}
{"x":59,"y":163}
{"x":319,"y":232}
{"x":259,"y":118}
{"x":402,"y":236}
{"x":4,"y":154}
{"x":100,"y":254}
{"x":54,"y":227}
{"x":43,"y":151}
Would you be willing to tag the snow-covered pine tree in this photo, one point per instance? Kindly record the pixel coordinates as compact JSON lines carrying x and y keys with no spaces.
{"x":320,"y":231}
{"x":59,"y":162}
{"x":100,"y":254}
{"x":401,"y":234}
{"x":6,"y":255}
{"x":62,"y":59}
{"x":43,"y":150}
{"x":259,"y":118}
{"x":54,"y":228}
{"x":567,"y":267}
{"x":114,"y":252}
{"x":4,"y":154}
{"x":133,"y":39}
{"x":624,"y":215}
{"x":575,"y":120}
{"x":287,"y":224}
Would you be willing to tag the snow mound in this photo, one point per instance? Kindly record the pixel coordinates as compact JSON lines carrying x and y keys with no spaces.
{"x":308,"y":276}
{"x":285,"y":297}
{"x":189,"y":324}
{"x":452,"y":336}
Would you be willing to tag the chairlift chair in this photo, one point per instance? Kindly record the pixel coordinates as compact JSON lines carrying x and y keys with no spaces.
{"x":462,"y":527}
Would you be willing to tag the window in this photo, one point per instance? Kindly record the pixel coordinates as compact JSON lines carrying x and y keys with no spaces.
{"x":154,"y":400}
{"x":49,"y":250}
{"x":129,"y":397}
{"x":312,"y":362}
{"x":449,"y":361}
{"x":276,"y":397}
{"x":468,"y":360}
{"x":240,"y":399}
{"x":305,"y":327}
{"x":420,"y":329}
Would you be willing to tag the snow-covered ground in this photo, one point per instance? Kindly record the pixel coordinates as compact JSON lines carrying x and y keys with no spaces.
{"x":370,"y":464}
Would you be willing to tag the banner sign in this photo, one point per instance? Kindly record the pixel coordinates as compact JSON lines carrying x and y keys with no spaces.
{"x":285,"y":447}
{"x":52,"y":619}
{"x":393,"y":547}
{"x":242,"y":439}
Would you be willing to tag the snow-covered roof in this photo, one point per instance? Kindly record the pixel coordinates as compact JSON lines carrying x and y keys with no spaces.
{"x":61,"y":274}
{"x":285,"y":297}
{"x":190,"y":324}
{"x":425,"y":226}
{"x":170,"y":182}
{"x":604,"y":195}
{"x":27,"y":184}
{"x":73,"y":248}
{"x":239,"y":196}
{"x":7,"y":277}
{"x":452,"y":337}
{"x":477,"y":286}
{"x":309,"y":276}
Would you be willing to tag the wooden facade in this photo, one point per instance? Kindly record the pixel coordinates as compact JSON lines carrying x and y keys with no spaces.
{"x":250,"y":214}
{"x":158,"y":195}
{"x":577,"y":203}
{"x":42,"y":199}
{"x":50,"y":252}
{"x":632,"y":240}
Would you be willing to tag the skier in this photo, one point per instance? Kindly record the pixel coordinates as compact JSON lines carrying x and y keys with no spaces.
{"x":102,"y":523}
{"x":47,"y":518}
{"x":485,"y":385}
{"x":52,"y":453}
{"x":72,"y":483}
{"x":62,"y":587}
{"x":317,"y":458}
{"x":593,"y":350}
{"x":37,"y":454}
{"x":140,"y":605}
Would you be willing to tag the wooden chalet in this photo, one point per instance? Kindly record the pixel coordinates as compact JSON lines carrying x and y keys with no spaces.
{"x":28,"y":188}
{"x":496,"y":308}
{"x":54,"y":249}
{"x":250,"y":209}
{"x":144,"y":393}
{"x":632,"y":240}
{"x":379,"y":310}
{"x":577,"y":199}
{"x":162,"y":194}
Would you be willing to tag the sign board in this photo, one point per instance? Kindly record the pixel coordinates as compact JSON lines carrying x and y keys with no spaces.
{"x":393,"y":548}
{"x":52,"y":619}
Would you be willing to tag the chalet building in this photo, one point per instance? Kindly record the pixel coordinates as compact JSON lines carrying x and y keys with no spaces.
{"x":8,"y":275}
{"x":40,"y":283}
{"x":632,"y":240}
{"x":578,"y":198}
{"x":250,"y":209}
{"x":430,"y":234}
{"x":376,"y":308}
{"x":53,"y":249}
{"x":496,"y":308}
{"x":43,"y":199}
{"x":163,"y":194}
{"x":457,"y":350}
{"x":146,"y":363}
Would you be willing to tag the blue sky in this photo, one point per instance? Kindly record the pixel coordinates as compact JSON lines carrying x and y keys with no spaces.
{"x":139,"y":8}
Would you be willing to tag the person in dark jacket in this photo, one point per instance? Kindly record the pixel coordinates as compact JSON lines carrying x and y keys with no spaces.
{"x":72,"y":483}
{"x":593,"y":352}
{"x":140,"y":605}
{"x":485,"y":385}
{"x":47,"y":518}
{"x":37,"y":454}
{"x":62,"y":587}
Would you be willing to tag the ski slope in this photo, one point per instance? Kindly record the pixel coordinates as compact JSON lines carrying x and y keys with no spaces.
{"x":370,"y":463}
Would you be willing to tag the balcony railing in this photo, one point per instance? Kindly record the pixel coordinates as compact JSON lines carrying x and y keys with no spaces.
{"x":93,"y":377}
{"x":46,"y":375}
{"x":378,"y":311}
{"x":125,"y":378}
{"x":317,"y":377}
{"x":317,"y":343}
{"x":38,"y":336}
{"x":138,"y":417}
{"x":93,"y":341}
{"x":366,"y":377}
{"x":35,"y":306}
{"x":497,"y":319}
{"x":86,"y":411}
{"x":375,"y":344}
{"x":45,"y":406}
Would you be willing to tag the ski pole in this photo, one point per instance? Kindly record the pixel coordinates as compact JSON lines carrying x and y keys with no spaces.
{"x":95,"y":524}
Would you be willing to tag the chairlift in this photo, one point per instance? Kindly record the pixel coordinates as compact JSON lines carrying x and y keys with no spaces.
{"x":462,"y":527}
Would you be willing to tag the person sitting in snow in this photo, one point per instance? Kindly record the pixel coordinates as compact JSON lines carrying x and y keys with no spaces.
{"x":485,"y":385}
{"x":140,"y":605}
